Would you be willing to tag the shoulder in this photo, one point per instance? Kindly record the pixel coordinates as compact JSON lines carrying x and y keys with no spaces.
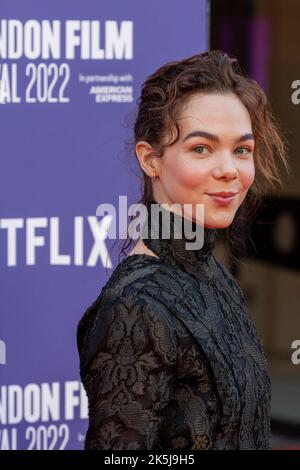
{"x":132,"y":272}
{"x":143,"y":276}
{"x":128,"y":306}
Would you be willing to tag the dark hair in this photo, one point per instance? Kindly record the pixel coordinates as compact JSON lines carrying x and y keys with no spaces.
{"x":163,"y":95}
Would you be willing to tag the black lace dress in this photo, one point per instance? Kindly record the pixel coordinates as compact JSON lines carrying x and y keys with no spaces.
{"x":169,"y":356}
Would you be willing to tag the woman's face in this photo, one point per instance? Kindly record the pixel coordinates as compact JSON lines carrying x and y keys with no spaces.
{"x":214,"y":153}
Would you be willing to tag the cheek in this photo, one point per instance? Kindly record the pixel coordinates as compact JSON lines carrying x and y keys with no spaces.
{"x":247,"y":175}
{"x":186,"y":174}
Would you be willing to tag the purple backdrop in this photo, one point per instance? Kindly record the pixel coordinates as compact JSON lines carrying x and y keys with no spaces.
{"x":62,"y":154}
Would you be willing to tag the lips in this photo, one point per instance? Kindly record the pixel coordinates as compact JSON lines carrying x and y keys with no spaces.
{"x":221,"y":200}
{"x":223,"y":194}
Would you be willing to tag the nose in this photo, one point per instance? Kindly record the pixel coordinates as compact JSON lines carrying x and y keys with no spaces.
{"x":225,"y":167}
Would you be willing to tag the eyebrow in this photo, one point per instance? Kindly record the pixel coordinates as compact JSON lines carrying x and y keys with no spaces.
{"x":215,"y":138}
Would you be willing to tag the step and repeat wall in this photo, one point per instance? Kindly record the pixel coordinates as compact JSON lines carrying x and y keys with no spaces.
{"x":70,"y":74}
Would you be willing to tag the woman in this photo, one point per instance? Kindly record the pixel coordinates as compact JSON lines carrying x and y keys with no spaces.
{"x":169,"y":356}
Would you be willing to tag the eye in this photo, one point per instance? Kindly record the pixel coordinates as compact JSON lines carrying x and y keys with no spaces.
{"x":201,"y":147}
{"x":247,"y":150}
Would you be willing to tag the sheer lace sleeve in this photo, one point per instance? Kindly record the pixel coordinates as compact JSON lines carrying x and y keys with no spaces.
{"x":130,"y":375}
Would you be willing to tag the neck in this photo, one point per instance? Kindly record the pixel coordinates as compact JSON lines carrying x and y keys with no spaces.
{"x":175,"y":238}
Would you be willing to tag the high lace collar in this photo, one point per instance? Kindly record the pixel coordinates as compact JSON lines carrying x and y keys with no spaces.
{"x":172,"y":248}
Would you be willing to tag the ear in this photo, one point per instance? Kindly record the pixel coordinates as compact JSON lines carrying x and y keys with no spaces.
{"x":148,"y":160}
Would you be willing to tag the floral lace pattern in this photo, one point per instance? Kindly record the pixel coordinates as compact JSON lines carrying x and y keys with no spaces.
{"x":170,"y":358}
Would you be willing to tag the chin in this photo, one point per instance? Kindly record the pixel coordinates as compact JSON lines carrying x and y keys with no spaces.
{"x":221,"y":223}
